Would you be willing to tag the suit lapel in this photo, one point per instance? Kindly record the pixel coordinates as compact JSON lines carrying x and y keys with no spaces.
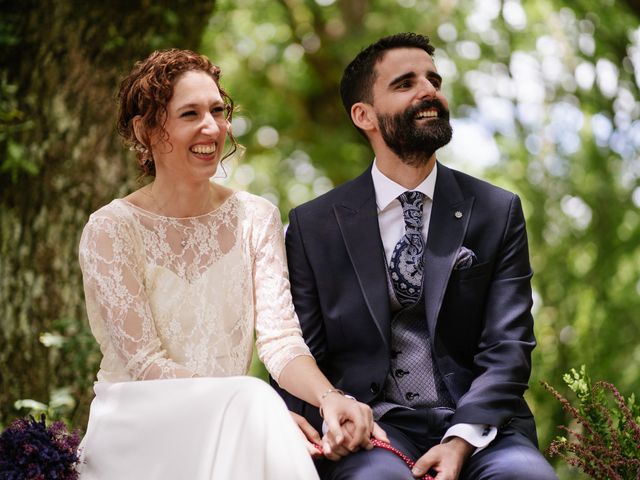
{"x":449,"y":220}
{"x":357,"y":218}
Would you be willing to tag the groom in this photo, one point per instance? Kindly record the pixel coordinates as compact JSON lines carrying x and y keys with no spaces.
{"x":412,"y":285}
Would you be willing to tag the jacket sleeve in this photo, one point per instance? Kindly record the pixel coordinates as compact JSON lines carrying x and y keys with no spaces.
{"x":502,"y":363}
{"x":304,"y":290}
{"x":307,"y":306}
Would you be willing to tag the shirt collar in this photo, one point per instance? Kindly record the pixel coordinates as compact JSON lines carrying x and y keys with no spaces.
{"x":387,"y":190}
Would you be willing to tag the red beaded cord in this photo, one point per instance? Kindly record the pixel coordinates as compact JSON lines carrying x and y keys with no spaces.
{"x":387,"y":446}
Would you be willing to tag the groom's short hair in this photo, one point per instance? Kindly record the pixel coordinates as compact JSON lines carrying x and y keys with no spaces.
{"x":358,"y":78}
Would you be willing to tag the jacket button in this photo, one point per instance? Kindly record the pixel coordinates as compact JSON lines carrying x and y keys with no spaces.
{"x":374,"y":387}
{"x":410,"y":396}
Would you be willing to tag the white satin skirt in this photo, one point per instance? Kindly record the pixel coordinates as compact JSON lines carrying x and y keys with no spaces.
{"x":193,"y":429}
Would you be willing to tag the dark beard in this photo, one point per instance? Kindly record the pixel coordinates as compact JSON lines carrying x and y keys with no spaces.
{"x":415,"y":144}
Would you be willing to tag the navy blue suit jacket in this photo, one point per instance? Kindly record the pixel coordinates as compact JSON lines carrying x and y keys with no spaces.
{"x":479,"y":319}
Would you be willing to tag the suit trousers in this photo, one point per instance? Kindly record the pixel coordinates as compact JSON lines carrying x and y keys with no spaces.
{"x":511,"y":455}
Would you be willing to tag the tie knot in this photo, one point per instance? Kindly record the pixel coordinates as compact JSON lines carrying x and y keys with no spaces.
{"x":412,"y":208}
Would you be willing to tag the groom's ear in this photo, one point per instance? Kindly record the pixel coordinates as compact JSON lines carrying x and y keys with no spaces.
{"x":364,"y":117}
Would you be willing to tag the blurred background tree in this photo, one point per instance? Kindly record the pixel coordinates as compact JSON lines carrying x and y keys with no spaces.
{"x":60,"y":63}
{"x":544,"y":99}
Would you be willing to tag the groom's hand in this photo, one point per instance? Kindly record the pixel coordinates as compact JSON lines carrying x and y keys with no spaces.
{"x":310,"y":434}
{"x":446,"y":459}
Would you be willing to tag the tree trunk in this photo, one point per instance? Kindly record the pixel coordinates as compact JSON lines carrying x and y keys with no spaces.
{"x":61,"y":62}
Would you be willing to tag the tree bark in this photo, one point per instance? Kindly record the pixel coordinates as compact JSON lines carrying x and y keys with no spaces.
{"x":61,"y":62}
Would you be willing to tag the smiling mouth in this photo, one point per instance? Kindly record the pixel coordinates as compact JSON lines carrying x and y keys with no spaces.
{"x":204,"y":149}
{"x":426,"y":114}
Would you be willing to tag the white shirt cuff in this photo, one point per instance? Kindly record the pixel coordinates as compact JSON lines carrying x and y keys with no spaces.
{"x":476,"y":434}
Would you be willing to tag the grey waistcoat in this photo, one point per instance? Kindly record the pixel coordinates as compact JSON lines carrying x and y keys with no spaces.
{"x":414,"y":380}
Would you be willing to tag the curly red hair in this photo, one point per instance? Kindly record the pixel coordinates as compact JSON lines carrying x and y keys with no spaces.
{"x":146,"y":92}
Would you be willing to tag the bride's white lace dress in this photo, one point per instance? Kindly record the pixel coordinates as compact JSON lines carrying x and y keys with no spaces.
{"x":173,"y":298}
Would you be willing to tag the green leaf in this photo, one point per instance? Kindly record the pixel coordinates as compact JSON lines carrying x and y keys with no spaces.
{"x":16,"y":162}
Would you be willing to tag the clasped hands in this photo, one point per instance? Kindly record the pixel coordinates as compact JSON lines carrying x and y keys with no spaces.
{"x":350,"y":427}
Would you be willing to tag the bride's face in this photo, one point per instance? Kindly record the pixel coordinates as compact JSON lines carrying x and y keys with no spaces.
{"x":195,"y":128}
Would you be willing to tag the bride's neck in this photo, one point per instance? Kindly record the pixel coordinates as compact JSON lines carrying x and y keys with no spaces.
{"x":175,"y":199}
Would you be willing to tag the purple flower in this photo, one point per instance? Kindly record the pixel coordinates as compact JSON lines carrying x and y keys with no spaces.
{"x":29,"y":450}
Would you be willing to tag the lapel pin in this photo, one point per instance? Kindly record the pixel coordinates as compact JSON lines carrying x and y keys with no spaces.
{"x":458,"y":214}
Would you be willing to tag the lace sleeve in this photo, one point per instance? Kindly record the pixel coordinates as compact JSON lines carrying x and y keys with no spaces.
{"x":279,"y":337}
{"x":117,"y":303}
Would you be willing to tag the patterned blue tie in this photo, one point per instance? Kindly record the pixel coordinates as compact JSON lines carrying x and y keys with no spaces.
{"x":406,"y":265}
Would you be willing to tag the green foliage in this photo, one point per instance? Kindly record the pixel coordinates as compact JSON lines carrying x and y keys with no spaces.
{"x":60,"y":159}
{"x":59,"y":407}
{"x":12,"y":121}
{"x":607,"y":443}
{"x":70,"y":345}
{"x":544,"y":99}
{"x":73,"y":341}
{"x":257,"y":368}
{"x":545,"y":102}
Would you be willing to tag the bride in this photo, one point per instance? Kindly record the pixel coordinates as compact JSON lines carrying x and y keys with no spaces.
{"x":178,"y":276}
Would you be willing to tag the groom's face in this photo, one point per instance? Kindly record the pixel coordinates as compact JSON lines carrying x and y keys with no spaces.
{"x":412,"y":111}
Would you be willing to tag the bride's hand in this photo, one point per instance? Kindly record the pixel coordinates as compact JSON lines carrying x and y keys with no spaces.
{"x":350,"y":426}
{"x":311,"y":436}
{"x":339,"y":451}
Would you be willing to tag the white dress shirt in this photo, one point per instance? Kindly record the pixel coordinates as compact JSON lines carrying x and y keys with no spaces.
{"x":390,"y":216}
{"x":391,"y":223}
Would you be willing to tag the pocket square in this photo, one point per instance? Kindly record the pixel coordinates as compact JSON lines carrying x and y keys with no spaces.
{"x":466,"y":258}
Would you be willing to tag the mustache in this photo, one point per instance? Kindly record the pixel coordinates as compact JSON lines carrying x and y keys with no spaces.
{"x":411,"y":112}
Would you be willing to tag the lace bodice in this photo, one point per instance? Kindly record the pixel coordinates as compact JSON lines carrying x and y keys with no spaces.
{"x":176,"y":297}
